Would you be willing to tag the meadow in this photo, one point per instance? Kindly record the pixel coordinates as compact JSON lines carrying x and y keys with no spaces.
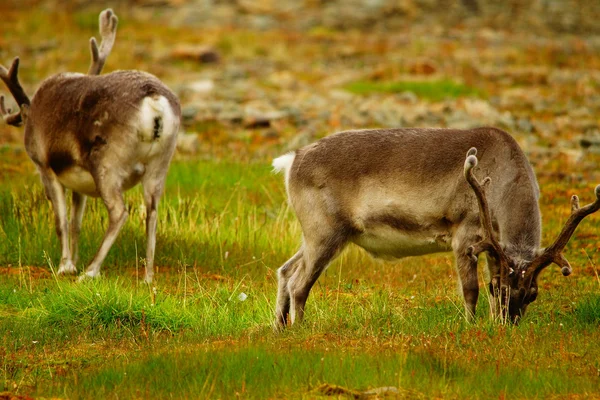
{"x":204,"y":329}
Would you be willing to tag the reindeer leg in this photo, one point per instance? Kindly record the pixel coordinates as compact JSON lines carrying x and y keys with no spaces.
{"x":494,"y":285}
{"x":467,"y":267}
{"x":467,"y":271}
{"x":77,"y":210}
{"x":153,"y":188}
{"x":56,"y":194}
{"x":112,"y":195}
{"x":318,"y":251}
{"x":284,"y":273}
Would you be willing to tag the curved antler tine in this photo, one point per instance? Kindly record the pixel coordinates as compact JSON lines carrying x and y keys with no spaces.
{"x":11,"y":119}
{"x":489,"y":242}
{"x":574,"y":203}
{"x":553,"y":253}
{"x":108,"y":22}
{"x":563,"y":263}
{"x":14,"y":68}
{"x":10,"y":77}
{"x":3,"y":110}
{"x":577,"y":215}
{"x":94,"y":50}
{"x":484,"y":212}
{"x":479,"y":247}
{"x":5,"y":74}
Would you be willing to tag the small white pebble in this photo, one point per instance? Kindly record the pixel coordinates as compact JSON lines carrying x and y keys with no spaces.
{"x":242,"y":297}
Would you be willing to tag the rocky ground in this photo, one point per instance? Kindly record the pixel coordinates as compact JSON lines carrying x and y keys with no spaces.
{"x":258,"y":76}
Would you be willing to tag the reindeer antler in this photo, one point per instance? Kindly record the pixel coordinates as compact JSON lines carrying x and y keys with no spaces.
{"x":11,"y":80}
{"x":553,"y":253}
{"x":108,"y":31}
{"x":489,"y":242}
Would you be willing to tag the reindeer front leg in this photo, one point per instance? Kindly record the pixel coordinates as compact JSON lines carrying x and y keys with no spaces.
{"x":466,"y":265}
{"x":56,"y":194}
{"x":467,"y":272}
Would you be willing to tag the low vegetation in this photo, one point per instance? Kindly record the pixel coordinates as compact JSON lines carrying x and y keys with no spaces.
{"x":434,"y":90}
{"x":204,"y":328}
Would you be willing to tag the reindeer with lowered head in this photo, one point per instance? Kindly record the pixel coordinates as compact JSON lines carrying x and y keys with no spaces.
{"x":97,"y":135}
{"x":408,"y":192}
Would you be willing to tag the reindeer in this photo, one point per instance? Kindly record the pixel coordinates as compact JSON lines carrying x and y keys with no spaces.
{"x":97,"y":135}
{"x":408,"y":192}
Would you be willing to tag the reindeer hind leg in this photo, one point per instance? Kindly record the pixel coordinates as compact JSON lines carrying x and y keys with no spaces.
{"x":284,"y":274}
{"x":111,"y":192}
{"x":56,"y":194}
{"x":318,"y":251}
{"x":77,"y":210}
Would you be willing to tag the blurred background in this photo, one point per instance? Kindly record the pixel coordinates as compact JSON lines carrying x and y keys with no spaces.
{"x":260,"y":77}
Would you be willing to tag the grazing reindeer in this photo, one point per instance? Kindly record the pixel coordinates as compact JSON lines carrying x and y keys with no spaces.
{"x":98,"y":135}
{"x":403,"y":192}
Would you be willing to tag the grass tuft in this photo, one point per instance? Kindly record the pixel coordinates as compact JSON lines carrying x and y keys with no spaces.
{"x":587,"y":310}
{"x":431,"y":90}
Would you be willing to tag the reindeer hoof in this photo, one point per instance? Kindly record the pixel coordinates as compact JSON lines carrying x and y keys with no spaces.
{"x":278,"y":326}
{"x":87,"y":276}
{"x":66,"y":267}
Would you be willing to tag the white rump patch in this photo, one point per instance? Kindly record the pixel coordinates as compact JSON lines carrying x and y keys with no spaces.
{"x":152,"y":112}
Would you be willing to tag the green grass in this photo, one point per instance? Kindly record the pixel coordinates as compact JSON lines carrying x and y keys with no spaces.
{"x":212,"y":231}
{"x":224,"y":228}
{"x":195,"y":338}
{"x":432,"y":90}
{"x":264,"y":372}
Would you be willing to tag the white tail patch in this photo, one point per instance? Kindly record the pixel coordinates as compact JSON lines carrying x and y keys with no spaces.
{"x":284,"y":163}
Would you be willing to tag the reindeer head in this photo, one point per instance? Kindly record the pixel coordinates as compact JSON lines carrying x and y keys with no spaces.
{"x":515,"y":285}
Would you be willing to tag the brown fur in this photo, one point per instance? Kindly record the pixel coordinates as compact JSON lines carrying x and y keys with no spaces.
{"x":98,"y":136}
{"x":372,"y":186}
{"x":86,"y":111}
